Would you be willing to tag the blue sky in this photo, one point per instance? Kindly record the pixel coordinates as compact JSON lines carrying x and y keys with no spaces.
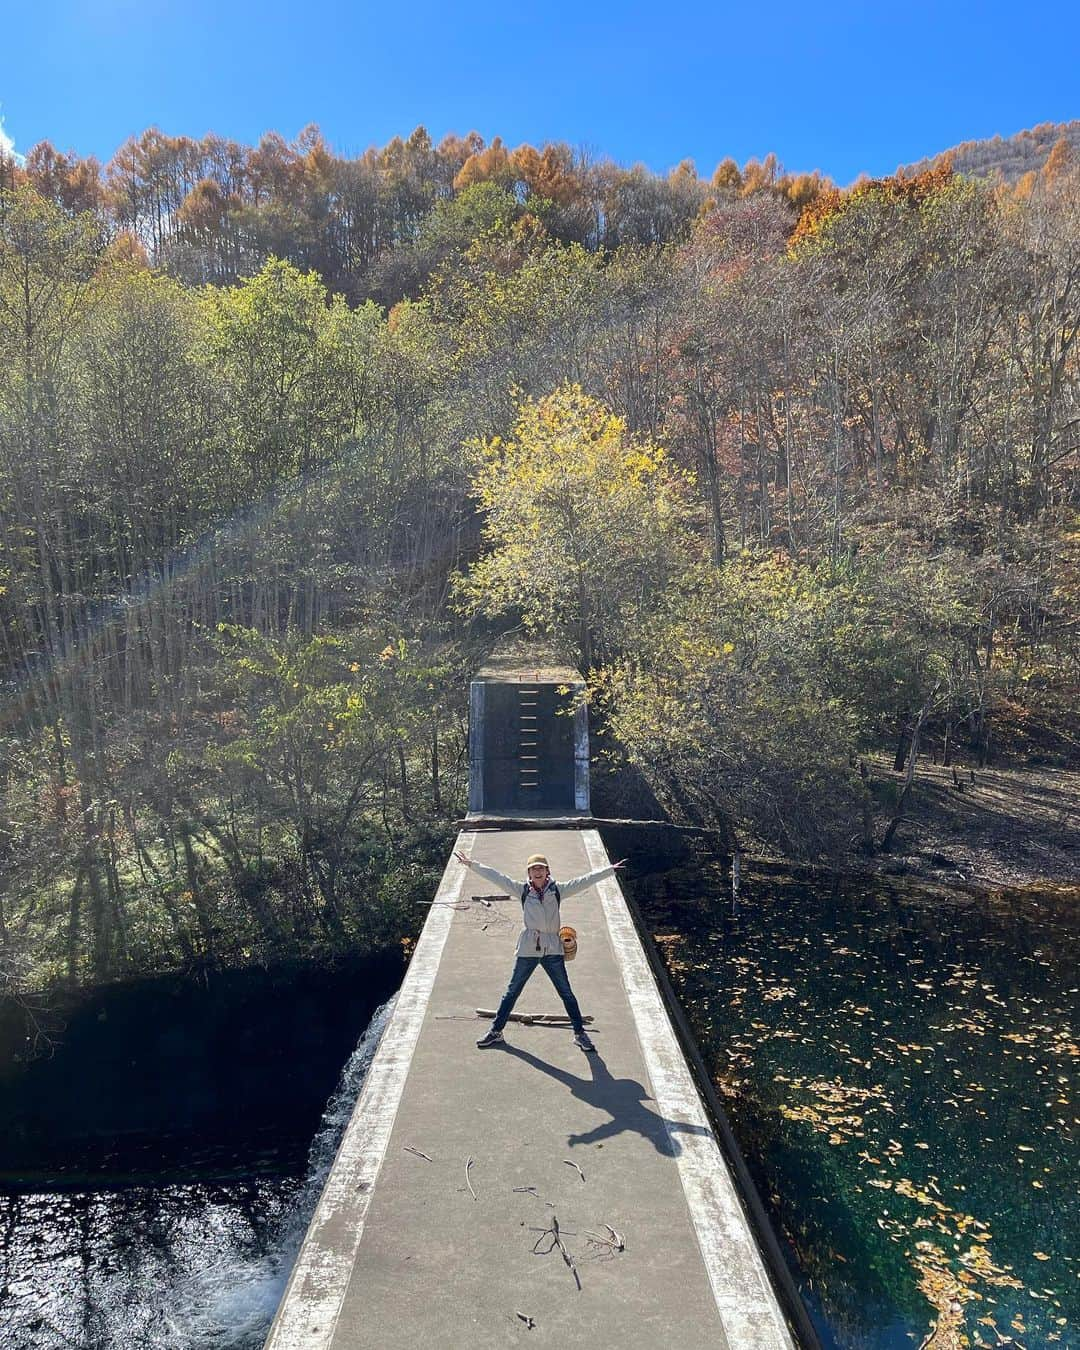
{"x":840,"y":87}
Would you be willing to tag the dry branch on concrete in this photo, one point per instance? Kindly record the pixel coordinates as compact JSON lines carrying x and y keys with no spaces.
{"x":613,"y":1242}
{"x":536,"y":1019}
{"x":583,"y":823}
{"x":531,"y":1190}
{"x":555,"y":1235}
{"x":576,"y":1168}
{"x":468,"y":1168}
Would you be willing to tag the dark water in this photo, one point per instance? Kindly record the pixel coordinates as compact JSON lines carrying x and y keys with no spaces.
{"x":172,"y":1265}
{"x":899,"y":1068}
{"x":180,"y":1264}
{"x":189,"y":1079}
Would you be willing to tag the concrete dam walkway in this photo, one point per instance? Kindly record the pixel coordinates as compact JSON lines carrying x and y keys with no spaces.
{"x":527,"y":1146}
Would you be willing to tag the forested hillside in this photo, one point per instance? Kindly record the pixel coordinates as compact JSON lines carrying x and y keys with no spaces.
{"x":286,"y":440}
{"x":1009,"y":157}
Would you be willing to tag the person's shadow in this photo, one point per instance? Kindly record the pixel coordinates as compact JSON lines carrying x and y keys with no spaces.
{"x":622,"y":1098}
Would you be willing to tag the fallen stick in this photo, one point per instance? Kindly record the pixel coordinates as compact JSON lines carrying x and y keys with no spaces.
{"x":419,"y":1152}
{"x":556,"y":1241}
{"x":576,"y":1168}
{"x":615,"y":1242}
{"x":468,"y":1183}
{"x":535,"y":1019}
{"x":580,"y":823}
{"x":529,"y":1322}
{"x":531,"y":1190}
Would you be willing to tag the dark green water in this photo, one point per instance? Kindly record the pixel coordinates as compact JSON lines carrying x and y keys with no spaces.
{"x":899,"y":1068}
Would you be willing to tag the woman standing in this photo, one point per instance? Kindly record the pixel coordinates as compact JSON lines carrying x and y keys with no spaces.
{"x":539,"y":943}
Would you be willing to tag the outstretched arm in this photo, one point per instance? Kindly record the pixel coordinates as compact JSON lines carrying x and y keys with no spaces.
{"x":492,"y":873}
{"x":582,"y":883}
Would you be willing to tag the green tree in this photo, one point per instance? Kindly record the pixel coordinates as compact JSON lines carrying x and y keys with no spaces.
{"x":584,"y":524}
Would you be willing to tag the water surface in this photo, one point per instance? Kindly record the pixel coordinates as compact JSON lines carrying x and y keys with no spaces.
{"x":899,"y":1068}
{"x":176,"y":1265}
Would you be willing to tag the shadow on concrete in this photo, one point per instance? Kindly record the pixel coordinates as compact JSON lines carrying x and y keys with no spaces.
{"x":622,"y":1098}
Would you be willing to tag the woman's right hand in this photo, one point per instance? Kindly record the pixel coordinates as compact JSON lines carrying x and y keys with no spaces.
{"x":461,"y":857}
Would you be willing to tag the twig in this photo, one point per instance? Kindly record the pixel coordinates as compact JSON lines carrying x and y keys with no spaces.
{"x":531,"y":1190}
{"x":529,"y":1322}
{"x":576,"y":1168}
{"x":565,"y":1254}
{"x":556,"y":1241}
{"x":537,"y":1019}
{"x":419,"y":1153}
{"x":579,"y":823}
{"x":468,"y":1183}
{"x":615,"y":1242}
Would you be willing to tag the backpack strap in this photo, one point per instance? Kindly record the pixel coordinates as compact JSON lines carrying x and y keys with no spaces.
{"x":554,"y":887}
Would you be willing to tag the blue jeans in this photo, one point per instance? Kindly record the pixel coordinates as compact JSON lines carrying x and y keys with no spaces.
{"x":555,"y":966}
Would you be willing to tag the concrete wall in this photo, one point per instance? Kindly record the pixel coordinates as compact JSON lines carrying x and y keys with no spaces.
{"x":528,"y":745}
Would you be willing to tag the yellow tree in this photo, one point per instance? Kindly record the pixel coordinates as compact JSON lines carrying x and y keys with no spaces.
{"x":584,"y":521}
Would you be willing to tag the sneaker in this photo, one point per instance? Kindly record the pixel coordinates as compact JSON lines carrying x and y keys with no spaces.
{"x":490,"y":1038}
{"x":582,"y":1041}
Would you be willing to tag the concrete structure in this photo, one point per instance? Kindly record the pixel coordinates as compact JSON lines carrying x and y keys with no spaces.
{"x":454,"y":1249}
{"x":437,"y":1225}
{"x":528,"y":739}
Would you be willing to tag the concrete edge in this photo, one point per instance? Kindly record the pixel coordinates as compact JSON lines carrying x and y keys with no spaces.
{"x":745,"y":1299}
{"x":307,"y":1315}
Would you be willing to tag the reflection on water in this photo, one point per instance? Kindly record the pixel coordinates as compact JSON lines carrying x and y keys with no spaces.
{"x":898,"y":1067}
{"x":172,"y":1266}
{"x":165,"y":1266}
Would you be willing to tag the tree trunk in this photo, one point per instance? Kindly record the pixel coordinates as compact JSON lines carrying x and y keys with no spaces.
{"x":436,"y":796}
{"x":909,"y":777}
{"x":198,"y":899}
{"x":74,"y":912}
{"x":866,"y":843}
{"x":403,"y":776}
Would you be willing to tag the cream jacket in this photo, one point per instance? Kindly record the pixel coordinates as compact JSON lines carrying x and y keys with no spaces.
{"x":540,"y":912}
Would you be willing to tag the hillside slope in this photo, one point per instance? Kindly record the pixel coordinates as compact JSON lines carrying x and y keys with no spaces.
{"x":1008,"y":156}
